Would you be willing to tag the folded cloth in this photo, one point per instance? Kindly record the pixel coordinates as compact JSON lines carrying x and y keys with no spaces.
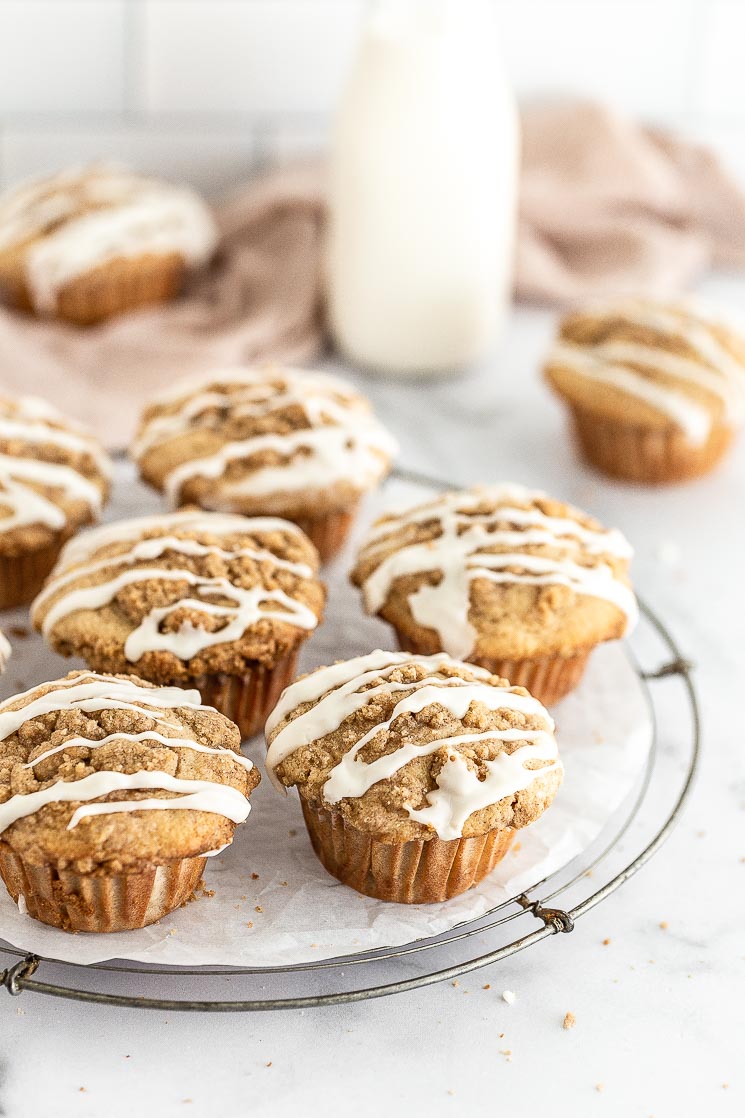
{"x":607,"y":207}
{"x":610,"y":207}
{"x":260,"y":300}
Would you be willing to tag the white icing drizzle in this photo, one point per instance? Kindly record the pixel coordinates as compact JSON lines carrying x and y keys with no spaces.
{"x":693,"y":419}
{"x":196,"y":795}
{"x":337,"y":692}
{"x":92,"y":692}
{"x":247,"y":606}
{"x":462,"y":552}
{"x":343,"y":439}
{"x":5,"y":651}
{"x":83,"y":546}
{"x":31,"y":421}
{"x":29,"y":506}
{"x":147,"y":735}
{"x":101,"y":214}
{"x":214,"y":853}
{"x":460,"y":790}
{"x":713,"y":368}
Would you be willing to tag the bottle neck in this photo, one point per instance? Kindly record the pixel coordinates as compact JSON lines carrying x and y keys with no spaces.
{"x":405,"y":18}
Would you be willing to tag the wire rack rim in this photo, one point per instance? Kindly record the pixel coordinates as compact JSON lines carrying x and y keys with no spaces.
{"x":19,"y":978}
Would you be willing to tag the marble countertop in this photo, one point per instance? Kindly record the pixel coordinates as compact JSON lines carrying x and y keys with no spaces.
{"x":659,"y":1009}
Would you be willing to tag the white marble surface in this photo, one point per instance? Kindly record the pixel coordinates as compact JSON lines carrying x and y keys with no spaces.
{"x":660,"y":1011}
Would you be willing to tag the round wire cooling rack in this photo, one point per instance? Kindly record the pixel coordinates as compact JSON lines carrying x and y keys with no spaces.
{"x":547,"y":907}
{"x":556,"y":902}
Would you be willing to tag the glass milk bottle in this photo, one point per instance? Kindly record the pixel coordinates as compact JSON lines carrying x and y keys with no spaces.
{"x":423,"y":190}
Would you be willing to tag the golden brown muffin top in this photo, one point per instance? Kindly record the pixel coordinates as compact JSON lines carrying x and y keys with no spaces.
{"x":55,"y":229}
{"x":54,"y":475}
{"x":409,"y":747}
{"x":497,"y":571}
{"x":651,"y":364}
{"x":44,"y":206}
{"x":271,"y":440}
{"x":87,"y":761}
{"x":173,"y":596}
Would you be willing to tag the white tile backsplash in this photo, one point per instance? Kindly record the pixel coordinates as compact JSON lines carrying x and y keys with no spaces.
{"x":61,"y":55}
{"x":635,"y":53}
{"x":721,"y":87}
{"x":257,"y":56}
{"x":205,"y":89}
{"x":213,"y":159}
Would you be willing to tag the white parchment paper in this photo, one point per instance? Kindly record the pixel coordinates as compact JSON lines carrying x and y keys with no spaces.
{"x":270,"y":902}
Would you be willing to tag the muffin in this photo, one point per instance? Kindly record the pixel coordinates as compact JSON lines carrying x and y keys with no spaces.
{"x":267,"y":442}
{"x":414,"y":772}
{"x":196,"y":599}
{"x":54,"y":477}
{"x":113,"y":793}
{"x":500,"y":576}
{"x":656,"y":390}
{"x":92,"y":243}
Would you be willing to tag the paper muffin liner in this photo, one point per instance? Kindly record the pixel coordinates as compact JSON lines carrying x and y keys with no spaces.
{"x":420,"y":871}
{"x":117,"y":902}
{"x":548,"y":678}
{"x":22,"y":576}
{"x":120,"y":285}
{"x":328,"y":532}
{"x":247,"y":699}
{"x":640,"y":454}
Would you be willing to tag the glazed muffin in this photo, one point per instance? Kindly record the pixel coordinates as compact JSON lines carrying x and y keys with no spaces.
{"x":414,"y":773}
{"x":54,"y":478}
{"x":277,"y":442}
{"x":500,"y":576}
{"x":217,"y":602}
{"x":113,"y":793}
{"x":89,"y":244}
{"x":656,"y":390}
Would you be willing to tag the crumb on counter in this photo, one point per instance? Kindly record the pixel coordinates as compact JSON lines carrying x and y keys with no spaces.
{"x":569,"y":1020}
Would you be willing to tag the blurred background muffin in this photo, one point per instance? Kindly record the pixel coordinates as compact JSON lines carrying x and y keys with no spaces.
{"x":656,"y":389}
{"x":89,"y":244}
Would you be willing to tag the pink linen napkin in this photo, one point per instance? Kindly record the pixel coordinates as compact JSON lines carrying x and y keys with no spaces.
{"x":606,"y":206}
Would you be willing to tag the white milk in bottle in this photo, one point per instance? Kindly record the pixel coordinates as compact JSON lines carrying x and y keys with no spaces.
{"x":423,"y":190}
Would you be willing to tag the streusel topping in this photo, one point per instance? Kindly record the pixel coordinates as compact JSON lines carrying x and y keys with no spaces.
{"x":88,"y":763}
{"x":497,"y":571}
{"x":652,"y":363}
{"x":263,"y":440}
{"x":178,"y":595}
{"x":412,"y":746}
